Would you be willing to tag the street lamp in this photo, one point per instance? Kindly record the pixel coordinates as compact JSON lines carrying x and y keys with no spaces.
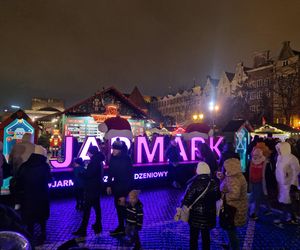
{"x":213,"y":108}
{"x":197,"y":117}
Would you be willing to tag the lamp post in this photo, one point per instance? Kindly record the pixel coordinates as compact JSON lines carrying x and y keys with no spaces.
{"x":213,"y":108}
{"x":198,"y":117}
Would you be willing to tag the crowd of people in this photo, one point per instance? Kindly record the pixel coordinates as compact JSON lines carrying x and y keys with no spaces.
{"x":272,"y":174}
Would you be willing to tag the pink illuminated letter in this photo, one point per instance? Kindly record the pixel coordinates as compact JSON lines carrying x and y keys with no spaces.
{"x":91,"y":140}
{"x":215,"y":147}
{"x":181,"y":148}
{"x":141,"y":143}
{"x":68,"y":154}
{"x":193,"y":146}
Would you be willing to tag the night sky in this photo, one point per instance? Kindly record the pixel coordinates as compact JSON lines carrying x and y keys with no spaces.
{"x":70,"y":49}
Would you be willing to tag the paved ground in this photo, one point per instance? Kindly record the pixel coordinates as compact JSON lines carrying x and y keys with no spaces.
{"x":160,"y":231}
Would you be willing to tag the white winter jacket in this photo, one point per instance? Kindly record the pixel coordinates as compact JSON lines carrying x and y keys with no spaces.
{"x":287,"y":170}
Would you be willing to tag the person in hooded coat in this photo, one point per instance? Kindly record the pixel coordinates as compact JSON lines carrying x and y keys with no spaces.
{"x":92,"y":178}
{"x":32,"y":190}
{"x":120,"y":176}
{"x":203,"y":213}
{"x":234,"y":187}
{"x":21,"y":152}
{"x":287,"y":171}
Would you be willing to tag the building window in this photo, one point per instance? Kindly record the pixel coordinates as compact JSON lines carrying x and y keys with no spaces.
{"x":285,"y":63}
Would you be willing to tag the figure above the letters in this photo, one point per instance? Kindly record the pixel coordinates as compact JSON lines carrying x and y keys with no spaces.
{"x":116,"y":127}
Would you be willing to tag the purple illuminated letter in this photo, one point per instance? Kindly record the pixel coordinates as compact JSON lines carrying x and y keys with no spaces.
{"x":141,"y":143}
{"x":193,"y":146}
{"x":215,"y":147}
{"x":181,"y":148}
{"x":91,"y":140}
{"x":68,"y":154}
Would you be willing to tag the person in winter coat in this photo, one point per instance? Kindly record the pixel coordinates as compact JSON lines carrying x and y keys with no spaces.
{"x":2,"y":161}
{"x":203,"y":213}
{"x":205,"y":154}
{"x":78,"y":170}
{"x":287,"y":171}
{"x":92,"y":189}
{"x":258,"y":165}
{"x":134,"y":218}
{"x":174,"y":157}
{"x":21,"y":152}
{"x":120,"y":176}
{"x":234,"y":187}
{"x":32,"y":190}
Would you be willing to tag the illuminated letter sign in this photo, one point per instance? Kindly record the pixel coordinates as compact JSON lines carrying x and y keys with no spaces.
{"x":91,"y":140}
{"x":214,"y":147}
{"x":181,"y":148}
{"x":68,"y":154}
{"x":194,"y":149}
{"x":141,"y":142}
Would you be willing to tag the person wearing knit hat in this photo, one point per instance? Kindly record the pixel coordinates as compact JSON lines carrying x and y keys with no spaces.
{"x":92,"y":177}
{"x":78,"y":170}
{"x":32,"y":190}
{"x":120,"y":177}
{"x":203,"y":213}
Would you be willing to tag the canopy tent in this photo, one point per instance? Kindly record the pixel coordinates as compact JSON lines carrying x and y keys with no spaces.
{"x":197,"y":129}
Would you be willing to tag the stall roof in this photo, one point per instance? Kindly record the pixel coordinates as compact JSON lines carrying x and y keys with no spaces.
{"x":285,"y":128}
{"x":98,"y":97}
{"x":235,"y":125}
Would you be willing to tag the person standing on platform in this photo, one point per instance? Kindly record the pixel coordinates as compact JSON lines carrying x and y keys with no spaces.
{"x":21,"y":152}
{"x":174,"y":157}
{"x":287,"y":171}
{"x":78,"y":170}
{"x":120,"y":177}
{"x":32,"y":190}
{"x":92,"y":189}
{"x":203,"y":213}
{"x":205,"y":154}
{"x":134,"y":219}
{"x":234,"y":190}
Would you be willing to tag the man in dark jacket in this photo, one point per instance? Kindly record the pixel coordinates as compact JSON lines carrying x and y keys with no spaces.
{"x":174,"y":157}
{"x":32,"y":190}
{"x":203,"y":212}
{"x":92,"y":187}
{"x":120,"y":171}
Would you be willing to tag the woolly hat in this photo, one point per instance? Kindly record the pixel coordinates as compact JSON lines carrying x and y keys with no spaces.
{"x":39,"y":150}
{"x":202,"y":168}
{"x":79,"y":161}
{"x":118,"y":144}
{"x":116,"y":127}
{"x":93,"y":150}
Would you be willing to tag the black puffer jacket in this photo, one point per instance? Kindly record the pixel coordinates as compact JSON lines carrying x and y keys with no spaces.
{"x":120,"y":175}
{"x":93,"y":176}
{"x":203,"y":213}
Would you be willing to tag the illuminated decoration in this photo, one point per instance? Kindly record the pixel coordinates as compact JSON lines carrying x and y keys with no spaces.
{"x":55,"y":142}
{"x":68,"y":154}
{"x":68,"y":183}
{"x":144,"y":153}
{"x":178,"y":140}
{"x":242,"y":137}
{"x":194,"y":149}
{"x":283,"y":132}
{"x":111,"y":111}
{"x":150,"y":175}
{"x":83,"y":153}
{"x":13,"y":133}
{"x":142,"y":143}
{"x":178,"y":131}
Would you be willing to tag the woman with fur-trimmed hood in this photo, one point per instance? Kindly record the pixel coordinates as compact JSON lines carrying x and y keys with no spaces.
{"x":287,"y":171}
{"x":234,"y":187}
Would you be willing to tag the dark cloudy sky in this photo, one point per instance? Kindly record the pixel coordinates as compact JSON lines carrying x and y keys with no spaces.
{"x":70,"y":48}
